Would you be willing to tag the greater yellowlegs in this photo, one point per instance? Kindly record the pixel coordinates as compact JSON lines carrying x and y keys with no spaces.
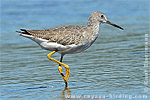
{"x":68,"y":39}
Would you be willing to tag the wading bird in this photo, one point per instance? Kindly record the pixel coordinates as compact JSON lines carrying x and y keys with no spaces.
{"x":68,"y":39}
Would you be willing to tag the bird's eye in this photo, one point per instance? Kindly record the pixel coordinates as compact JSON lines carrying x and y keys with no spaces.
{"x":102,"y":16}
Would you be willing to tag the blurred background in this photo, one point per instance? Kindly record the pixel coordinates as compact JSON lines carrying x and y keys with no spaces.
{"x":114,"y":64}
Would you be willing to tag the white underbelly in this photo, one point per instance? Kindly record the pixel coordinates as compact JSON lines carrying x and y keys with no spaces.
{"x":77,"y":48}
{"x":63,"y":49}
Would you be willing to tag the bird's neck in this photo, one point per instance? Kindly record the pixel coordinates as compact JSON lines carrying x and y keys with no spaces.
{"x":94,"y":25}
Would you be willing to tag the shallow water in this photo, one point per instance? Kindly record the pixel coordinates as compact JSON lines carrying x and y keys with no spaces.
{"x":114,"y":64}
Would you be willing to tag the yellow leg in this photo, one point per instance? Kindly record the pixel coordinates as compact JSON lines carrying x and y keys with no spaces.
{"x":61,"y":72}
{"x":60,"y":69}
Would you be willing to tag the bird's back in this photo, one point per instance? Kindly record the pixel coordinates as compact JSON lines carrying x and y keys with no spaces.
{"x":65,"y":35}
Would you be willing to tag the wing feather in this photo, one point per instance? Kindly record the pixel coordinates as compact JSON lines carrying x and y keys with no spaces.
{"x":65,"y":35}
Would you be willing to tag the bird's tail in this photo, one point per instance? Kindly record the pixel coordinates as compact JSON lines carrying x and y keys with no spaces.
{"x":25,"y":33}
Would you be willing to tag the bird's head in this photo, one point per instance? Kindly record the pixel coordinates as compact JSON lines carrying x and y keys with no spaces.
{"x":101,"y":18}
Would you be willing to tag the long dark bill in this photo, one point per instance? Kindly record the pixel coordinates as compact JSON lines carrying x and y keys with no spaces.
{"x":108,"y":22}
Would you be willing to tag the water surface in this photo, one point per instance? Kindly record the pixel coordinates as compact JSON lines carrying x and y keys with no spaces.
{"x":112,"y":65}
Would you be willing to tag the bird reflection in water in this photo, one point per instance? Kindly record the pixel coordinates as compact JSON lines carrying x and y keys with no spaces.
{"x":66,"y":93}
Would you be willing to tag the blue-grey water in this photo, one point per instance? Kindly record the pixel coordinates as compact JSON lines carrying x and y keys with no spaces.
{"x":113,"y":65}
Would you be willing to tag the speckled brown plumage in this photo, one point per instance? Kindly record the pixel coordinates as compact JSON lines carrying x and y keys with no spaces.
{"x":65,"y":35}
